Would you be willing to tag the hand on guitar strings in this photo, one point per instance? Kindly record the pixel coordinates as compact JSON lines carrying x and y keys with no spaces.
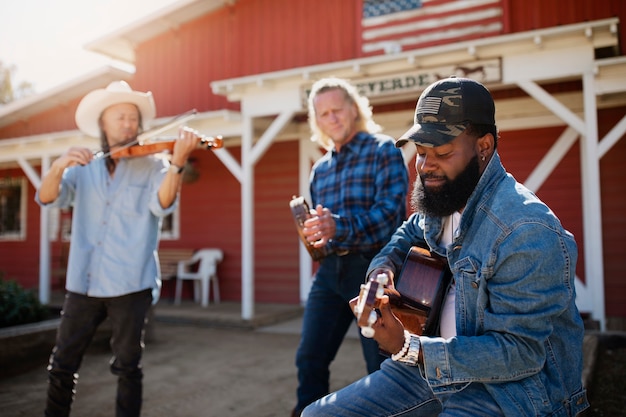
{"x":320,"y":227}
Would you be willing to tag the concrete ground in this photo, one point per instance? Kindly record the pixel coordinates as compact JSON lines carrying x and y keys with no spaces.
{"x":204,"y":362}
{"x":197,"y":362}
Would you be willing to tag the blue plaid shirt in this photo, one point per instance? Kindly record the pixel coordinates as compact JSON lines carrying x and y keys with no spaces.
{"x":365,"y":187}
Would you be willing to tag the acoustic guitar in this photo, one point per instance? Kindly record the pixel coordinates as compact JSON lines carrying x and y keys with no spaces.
{"x":417,"y":298}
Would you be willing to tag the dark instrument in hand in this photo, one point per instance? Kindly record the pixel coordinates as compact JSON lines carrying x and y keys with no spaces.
{"x":301,"y":211}
{"x":417,"y":297}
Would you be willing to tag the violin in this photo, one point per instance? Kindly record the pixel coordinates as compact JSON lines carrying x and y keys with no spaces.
{"x":163,"y":145}
{"x":145,"y":143}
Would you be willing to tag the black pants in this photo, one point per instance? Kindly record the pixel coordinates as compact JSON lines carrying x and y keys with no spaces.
{"x":80,"y":318}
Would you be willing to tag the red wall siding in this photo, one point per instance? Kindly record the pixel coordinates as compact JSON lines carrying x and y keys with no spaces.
{"x":210,"y":215}
{"x":538,"y":14}
{"x":613,"y":192}
{"x":276,"y":238}
{"x":256,"y":36}
{"x":250,"y":37}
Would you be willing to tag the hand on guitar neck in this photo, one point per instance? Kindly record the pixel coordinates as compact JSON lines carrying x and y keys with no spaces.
{"x":368,"y":301}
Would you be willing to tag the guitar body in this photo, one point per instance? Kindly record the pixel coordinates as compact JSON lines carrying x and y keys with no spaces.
{"x":417,"y":298}
{"x":300,"y":211}
{"x":420,"y":290}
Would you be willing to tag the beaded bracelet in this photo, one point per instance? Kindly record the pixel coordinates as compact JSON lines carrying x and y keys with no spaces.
{"x":405,"y":348}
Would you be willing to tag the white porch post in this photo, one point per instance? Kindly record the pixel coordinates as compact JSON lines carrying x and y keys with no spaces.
{"x":247,"y":220}
{"x":44,"y":244}
{"x":592,"y":215}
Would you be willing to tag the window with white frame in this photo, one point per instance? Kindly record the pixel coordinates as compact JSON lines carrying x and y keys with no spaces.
{"x":12,"y":208}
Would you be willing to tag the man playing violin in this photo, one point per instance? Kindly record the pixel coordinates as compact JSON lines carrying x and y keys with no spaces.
{"x":118,"y":205}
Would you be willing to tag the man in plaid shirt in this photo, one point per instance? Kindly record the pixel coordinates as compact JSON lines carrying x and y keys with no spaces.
{"x":358,"y":190}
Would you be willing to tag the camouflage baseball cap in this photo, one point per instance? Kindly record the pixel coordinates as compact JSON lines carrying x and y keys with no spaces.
{"x":445,"y":108}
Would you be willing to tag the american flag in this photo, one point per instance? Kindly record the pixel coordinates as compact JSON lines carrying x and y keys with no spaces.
{"x":394,"y":25}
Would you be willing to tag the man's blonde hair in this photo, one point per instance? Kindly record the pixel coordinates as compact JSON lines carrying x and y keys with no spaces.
{"x":364,"y":120}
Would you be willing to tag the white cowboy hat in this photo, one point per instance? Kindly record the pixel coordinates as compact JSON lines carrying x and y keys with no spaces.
{"x":94,"y":103}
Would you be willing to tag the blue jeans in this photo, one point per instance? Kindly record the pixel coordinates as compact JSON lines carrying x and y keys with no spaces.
{"x":400,"y":390}
{"x":80,"y":318}
{"x":327,"y":318}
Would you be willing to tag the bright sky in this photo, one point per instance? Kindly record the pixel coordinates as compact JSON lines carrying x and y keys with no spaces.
{"x":44,"y":39}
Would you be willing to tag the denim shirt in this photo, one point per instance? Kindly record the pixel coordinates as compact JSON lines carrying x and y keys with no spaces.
{"x":115,"y":226}
{"x":519,"y":331}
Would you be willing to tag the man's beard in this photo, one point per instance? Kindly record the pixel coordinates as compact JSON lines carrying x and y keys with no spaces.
{"x":450,"y":197}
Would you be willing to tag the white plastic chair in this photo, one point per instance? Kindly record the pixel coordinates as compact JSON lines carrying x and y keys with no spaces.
{"x":207,"y":260}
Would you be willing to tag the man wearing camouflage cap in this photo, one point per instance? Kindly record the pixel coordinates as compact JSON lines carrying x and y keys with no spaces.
{"x":509,"y":340}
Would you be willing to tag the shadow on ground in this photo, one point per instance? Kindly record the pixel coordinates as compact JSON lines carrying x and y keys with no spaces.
{"x":607,"y":393}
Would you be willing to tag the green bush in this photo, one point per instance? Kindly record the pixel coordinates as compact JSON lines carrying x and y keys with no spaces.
{"x":19,"y":306}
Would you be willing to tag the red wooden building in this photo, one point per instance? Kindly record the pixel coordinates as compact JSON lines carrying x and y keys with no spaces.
{"x":558,"y":75}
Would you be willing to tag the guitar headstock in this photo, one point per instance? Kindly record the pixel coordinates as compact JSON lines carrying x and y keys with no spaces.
{"x":369,"y":299}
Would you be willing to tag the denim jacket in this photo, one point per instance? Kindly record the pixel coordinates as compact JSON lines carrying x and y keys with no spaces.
{"x":519,"y":331}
